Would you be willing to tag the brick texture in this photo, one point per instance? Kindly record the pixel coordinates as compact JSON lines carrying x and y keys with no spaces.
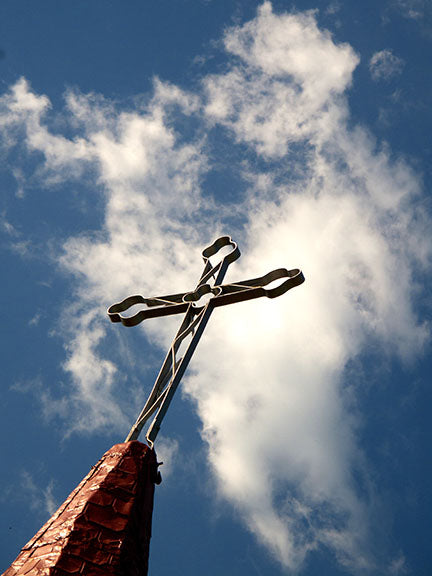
{"x":104,"y":526}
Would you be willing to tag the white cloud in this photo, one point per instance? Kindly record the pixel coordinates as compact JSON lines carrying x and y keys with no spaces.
{"x":167,"y":451}
{"x":268,"y":378}
{"x":276,"y":97}
{"x":384,"y":65}
{"x":50,"y":501}
{"x":151,"y":185}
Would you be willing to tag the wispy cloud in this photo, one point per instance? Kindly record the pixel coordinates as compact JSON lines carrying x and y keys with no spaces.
{"x":13,"y":237}
{"x":414,"y":9}
{"x":41,"y":499}
{"x":418,"y":11}
{"x":399,"y":566}
{"x":385,"y":65}
{"x":268,"y":380}
{"x":34,"y":321}
{"x":7,"y":227}
{"x":167,"y":449}
{"x":333,"y":8}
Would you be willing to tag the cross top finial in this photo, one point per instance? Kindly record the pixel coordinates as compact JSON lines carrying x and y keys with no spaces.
{"x":197,"y":306}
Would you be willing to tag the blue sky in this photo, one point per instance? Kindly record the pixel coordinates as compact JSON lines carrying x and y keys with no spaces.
{"x":132,"y":135}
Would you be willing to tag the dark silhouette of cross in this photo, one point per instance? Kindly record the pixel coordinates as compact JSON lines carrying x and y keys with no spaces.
{"x":198,"y":306}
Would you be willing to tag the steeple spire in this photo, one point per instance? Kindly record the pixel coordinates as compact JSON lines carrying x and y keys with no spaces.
{"x":104,"y":526}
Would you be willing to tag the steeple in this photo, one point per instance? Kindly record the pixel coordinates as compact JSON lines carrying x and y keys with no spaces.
{"x":104,"y":526}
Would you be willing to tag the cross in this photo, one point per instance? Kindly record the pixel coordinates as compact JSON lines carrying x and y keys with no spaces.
{"x":198,"y":306}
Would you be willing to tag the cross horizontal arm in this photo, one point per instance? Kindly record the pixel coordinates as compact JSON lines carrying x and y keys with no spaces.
{"x":158,"y":306}
{"x":256,"y":287}
{"x":221,"y":296}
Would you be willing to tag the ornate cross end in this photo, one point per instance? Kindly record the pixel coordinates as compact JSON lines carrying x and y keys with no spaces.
{"x":197,"y":306}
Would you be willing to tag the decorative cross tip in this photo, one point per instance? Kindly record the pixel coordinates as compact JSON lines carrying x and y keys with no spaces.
{"x":198,"y":306}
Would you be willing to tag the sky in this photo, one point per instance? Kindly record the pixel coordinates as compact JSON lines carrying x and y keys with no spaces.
{"x":133,"y":134}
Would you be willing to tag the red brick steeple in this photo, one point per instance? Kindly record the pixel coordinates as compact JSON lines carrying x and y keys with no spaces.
{"x":104,"y":526}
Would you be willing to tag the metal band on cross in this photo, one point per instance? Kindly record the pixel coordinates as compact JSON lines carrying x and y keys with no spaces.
{"x":198,"y":306}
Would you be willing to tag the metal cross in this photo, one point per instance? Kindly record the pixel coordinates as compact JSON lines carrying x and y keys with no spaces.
{"x":198,"y":306}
